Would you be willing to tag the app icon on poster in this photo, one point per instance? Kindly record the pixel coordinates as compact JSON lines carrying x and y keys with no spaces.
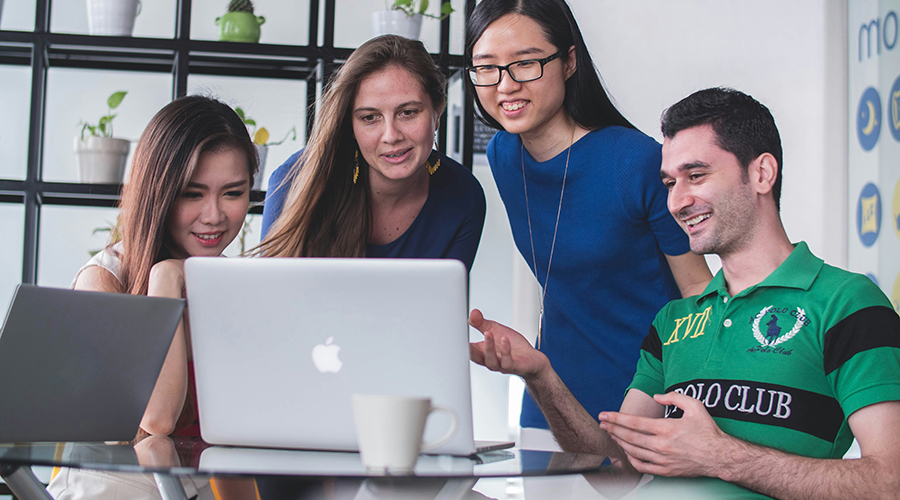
{"x":868,"y":214}
{"x":893,"y":110}
{"x":868,"y":119}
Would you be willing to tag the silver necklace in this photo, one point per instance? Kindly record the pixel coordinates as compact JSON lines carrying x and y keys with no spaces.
{"x":543,"y":290}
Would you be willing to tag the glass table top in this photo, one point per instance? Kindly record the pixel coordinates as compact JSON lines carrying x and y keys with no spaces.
{"x":188,"y":456}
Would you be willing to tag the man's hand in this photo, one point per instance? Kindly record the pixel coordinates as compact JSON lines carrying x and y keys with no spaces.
{"x":505,"y":350}
{"x":685,"y":447}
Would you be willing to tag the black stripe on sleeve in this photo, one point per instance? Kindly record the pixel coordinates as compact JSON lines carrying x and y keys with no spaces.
{"x":875,"y":326}
{"x":652,"y":344}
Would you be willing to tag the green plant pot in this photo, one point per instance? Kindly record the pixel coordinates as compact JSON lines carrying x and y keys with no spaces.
{"x":239,"y":27}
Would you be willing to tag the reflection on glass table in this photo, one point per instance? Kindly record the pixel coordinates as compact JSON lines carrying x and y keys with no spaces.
{"x":281,"y":470}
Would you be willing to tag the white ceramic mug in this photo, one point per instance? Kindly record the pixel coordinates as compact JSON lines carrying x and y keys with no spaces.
{"x":389,"y":430}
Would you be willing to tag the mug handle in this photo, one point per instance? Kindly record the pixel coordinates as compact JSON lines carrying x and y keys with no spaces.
{"x":260,"y":19}
{"x":138,"y":9}
{"x":446,"y":438}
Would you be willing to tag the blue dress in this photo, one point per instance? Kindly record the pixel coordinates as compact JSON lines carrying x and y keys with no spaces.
{"x":448,"y":226}
{"x":609,"y":274}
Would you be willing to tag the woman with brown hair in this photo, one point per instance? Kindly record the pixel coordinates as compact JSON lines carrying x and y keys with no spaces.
{"x":368,"y":183}
{"x":187,"y":195}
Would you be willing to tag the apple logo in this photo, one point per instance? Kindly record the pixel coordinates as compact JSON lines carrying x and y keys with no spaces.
{"x":325,"y":357}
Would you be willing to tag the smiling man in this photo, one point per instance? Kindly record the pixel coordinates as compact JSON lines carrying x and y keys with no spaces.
{"x":763,"y":379}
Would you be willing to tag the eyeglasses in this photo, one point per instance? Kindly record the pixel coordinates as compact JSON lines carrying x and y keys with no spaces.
{"x":520,"y":71}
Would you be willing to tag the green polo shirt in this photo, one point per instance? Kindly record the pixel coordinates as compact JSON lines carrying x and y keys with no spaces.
{"x":783,"y":363}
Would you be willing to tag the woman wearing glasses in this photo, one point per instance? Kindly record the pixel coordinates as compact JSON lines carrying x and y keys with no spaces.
{"x":583,"y":196}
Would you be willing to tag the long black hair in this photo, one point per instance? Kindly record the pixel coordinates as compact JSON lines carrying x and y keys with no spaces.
{"x":586,"y":100}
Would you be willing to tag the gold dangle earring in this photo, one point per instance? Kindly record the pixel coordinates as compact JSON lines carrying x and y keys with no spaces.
{"x":428,"y":166}
{"x":356,"y":168}
{"x":432,"y":168}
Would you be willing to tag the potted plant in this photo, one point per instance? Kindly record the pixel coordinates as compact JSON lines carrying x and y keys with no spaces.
{"x":239,"y":24}
{"x":404,"y":18}
{"x":261,"y":141}
{"x":101,"y":157}
{"x":112,"y":17}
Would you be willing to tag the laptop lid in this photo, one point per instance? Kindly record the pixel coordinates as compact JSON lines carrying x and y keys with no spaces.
{"x":80,"y":366}
{"x":280,"y":345}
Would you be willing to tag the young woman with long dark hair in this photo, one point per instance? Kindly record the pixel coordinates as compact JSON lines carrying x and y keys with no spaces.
{"x":582,"y":191}
{"x":187,"y":195}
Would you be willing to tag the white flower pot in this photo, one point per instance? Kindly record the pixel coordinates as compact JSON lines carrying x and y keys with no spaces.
{"x":396,"y":22}
{"x":112,"y":17}
{"x":101,"y":160}
{"x":262,"y":152}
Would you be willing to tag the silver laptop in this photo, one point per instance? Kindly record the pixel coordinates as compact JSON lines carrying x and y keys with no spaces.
{"x":80,"y":366}
{"x":280,"y":345}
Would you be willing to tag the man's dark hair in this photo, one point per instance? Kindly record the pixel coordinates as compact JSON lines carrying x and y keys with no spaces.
{"x":743,"y":126}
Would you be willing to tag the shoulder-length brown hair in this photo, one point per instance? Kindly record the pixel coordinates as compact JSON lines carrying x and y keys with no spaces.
{"x":326,"y":214}
{"x":164,"y":161}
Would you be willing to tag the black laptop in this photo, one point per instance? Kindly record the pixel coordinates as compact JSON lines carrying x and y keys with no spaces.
{"x":80,"y":366}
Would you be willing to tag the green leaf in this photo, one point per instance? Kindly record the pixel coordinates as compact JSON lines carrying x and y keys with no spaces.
{"x":423,"y":6}
{"x":399,"y":4}
{"x":446,"y":9}
{"x":116,"y":99}
{"x":292,"y":133}
{"x":250,"y":121}
{"x":240,"y":113}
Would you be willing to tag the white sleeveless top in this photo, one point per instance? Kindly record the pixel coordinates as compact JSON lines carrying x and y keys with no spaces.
{"x":108,"y":259}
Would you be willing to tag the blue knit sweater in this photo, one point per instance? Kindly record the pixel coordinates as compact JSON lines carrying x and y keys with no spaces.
{"x":448,"y":226}
{"x":609,"y":274}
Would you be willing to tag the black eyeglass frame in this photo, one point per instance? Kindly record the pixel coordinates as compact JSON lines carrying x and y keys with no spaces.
{"x":501,"y":69}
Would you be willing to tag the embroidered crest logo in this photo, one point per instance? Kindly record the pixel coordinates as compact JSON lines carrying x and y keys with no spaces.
{"x":773,"y":335}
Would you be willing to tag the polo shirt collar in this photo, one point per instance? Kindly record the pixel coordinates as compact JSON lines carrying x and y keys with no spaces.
{"x":799,"y":270}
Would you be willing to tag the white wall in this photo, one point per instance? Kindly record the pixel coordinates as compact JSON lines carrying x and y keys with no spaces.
{"x":790,"y":55}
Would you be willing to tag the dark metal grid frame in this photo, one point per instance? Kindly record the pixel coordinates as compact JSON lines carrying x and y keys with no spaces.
{"x":179,"y":56}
